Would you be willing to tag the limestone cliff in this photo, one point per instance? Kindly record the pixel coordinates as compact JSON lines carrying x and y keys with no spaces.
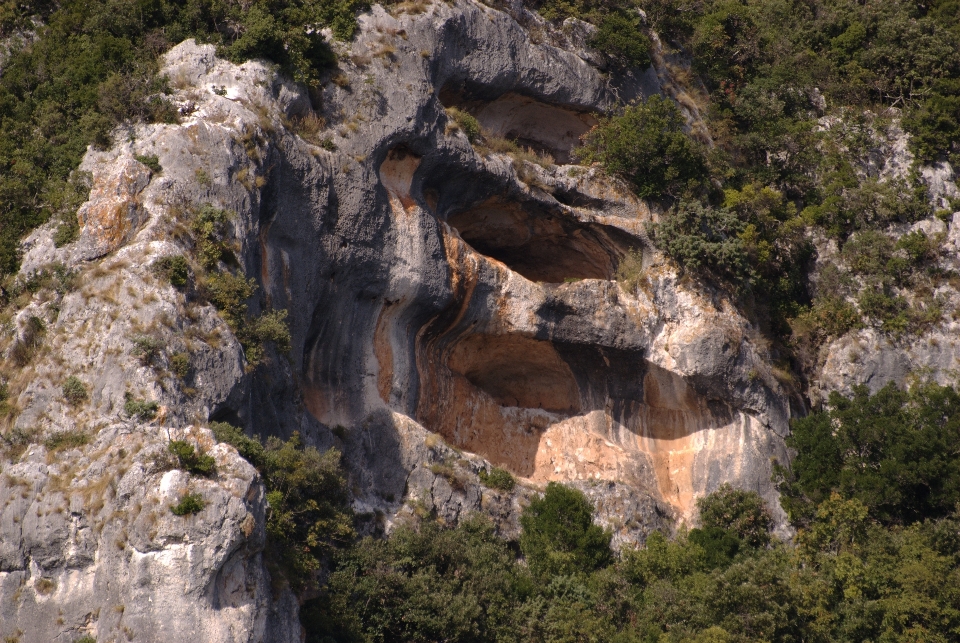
{"x":451,"y":308}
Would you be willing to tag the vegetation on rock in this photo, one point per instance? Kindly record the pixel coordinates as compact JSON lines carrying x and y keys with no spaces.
{"x":190,"y":503}
{"x":307,"y":494}
{"x":849,"y":577}
{"x":646,"y":145}
{"x":190,"y":459}
{"x":90,"y":67}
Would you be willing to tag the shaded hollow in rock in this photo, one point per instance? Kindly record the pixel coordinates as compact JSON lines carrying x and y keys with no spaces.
{"x":538,"y":245}
{"x":531,"y":123}
{"x":517,"y":371}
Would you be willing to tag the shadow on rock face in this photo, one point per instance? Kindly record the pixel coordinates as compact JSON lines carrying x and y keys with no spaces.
{"x":545,"y":128}
{"x":538,"y":245}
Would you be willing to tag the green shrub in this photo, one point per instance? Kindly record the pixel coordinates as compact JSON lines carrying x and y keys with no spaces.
{"x":70,"y":439}
{"x":229,"y":294}
{"x":466,"y":122}
{"x":151,"y":161}
{"x":147,"y":348}
{"x":919,"y":247}
{"x":180,"y":365}
{"x":891,"y":451}
{"x":498,"y":478}
{"x":620,"y":37}
{"x":268,"y":327}
{"x":209,"y":227}
{"x":86,"y":638}
{"x":832,"y":316}
{"x":559,"y":536}
{"x":646,"y":145}
{"x":140,"y":409}
{"x":423,"y":584}
{"x":190,"y":459}
{"x":74,"y":390}
{"x":706,"y":241}
{"x":250,"y":448}
{"x":306,"y":490}
{"x":935,"y":125}
{"x":742,"y":513}
{"x":720,"y":546}
{"x":190,"y":503}
{"x":67,"y":232}
{"x":174,"y":268}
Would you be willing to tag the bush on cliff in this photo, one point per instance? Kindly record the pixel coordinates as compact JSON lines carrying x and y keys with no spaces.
{"x":559,"y":536}
{"x":307,"y":494}
{"x":646,"y":146}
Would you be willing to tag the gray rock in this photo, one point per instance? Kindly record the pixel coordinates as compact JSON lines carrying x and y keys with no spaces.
{"x":450,"y":308}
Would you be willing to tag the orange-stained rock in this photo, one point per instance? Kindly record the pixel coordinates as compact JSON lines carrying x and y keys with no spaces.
{"x":113,"y":214}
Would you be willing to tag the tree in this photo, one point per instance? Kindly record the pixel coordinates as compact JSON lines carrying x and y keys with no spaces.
{"x":742,"y":513}
{"x":559,"y":536}
{"x":706,"y":241}
{"x":894,"y":451}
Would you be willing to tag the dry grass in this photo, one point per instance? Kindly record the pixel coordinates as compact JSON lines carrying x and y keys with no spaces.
{"x":361,"y":60}
{"x":630,"y":270}
{"x":385,"y":51}
{"x":412,"y":7}
{"x":308,"y":127}
{"x":518,"y":153}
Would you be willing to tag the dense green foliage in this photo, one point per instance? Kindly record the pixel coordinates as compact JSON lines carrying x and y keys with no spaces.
{"x":74,"y":390}
{"x":796,"y":99}
{"x":307,"y":494}
{"x":92,"y":66}
{"x":173,"y":268}
{"x":559,"y":536}
{"x":191,"y":459}
{"x":848,"y":579}
{"x":895,"y":452}
{"x":190,"y":503}
{"x":620,"y":35}
{"x":762,"y":59}
{"x":646,"y":145}
{"x":742,"y":513}
{"x":498,"y":478}
{"x":706,"y":240}
{"x":888,"y":570}
{"x":140,"y":409}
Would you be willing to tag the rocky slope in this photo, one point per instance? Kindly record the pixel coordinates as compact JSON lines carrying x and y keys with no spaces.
{"x":451,"y":309}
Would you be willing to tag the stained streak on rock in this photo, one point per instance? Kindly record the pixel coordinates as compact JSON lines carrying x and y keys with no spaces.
{"x":113,"y":214}
{"x":383,"y":350}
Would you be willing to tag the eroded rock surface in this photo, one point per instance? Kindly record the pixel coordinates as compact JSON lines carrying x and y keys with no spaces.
{"x":450,"y":308}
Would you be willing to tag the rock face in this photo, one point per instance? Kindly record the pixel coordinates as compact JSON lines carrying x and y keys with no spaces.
{"x":89,"y":546}
{"x":872,"y":358}
{"x":451,"y":308}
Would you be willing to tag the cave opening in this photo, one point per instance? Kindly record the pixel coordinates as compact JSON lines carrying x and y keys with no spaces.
{"x":531,"y":123}
{"x":538,"y":245}
{"x":517,"y":371}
